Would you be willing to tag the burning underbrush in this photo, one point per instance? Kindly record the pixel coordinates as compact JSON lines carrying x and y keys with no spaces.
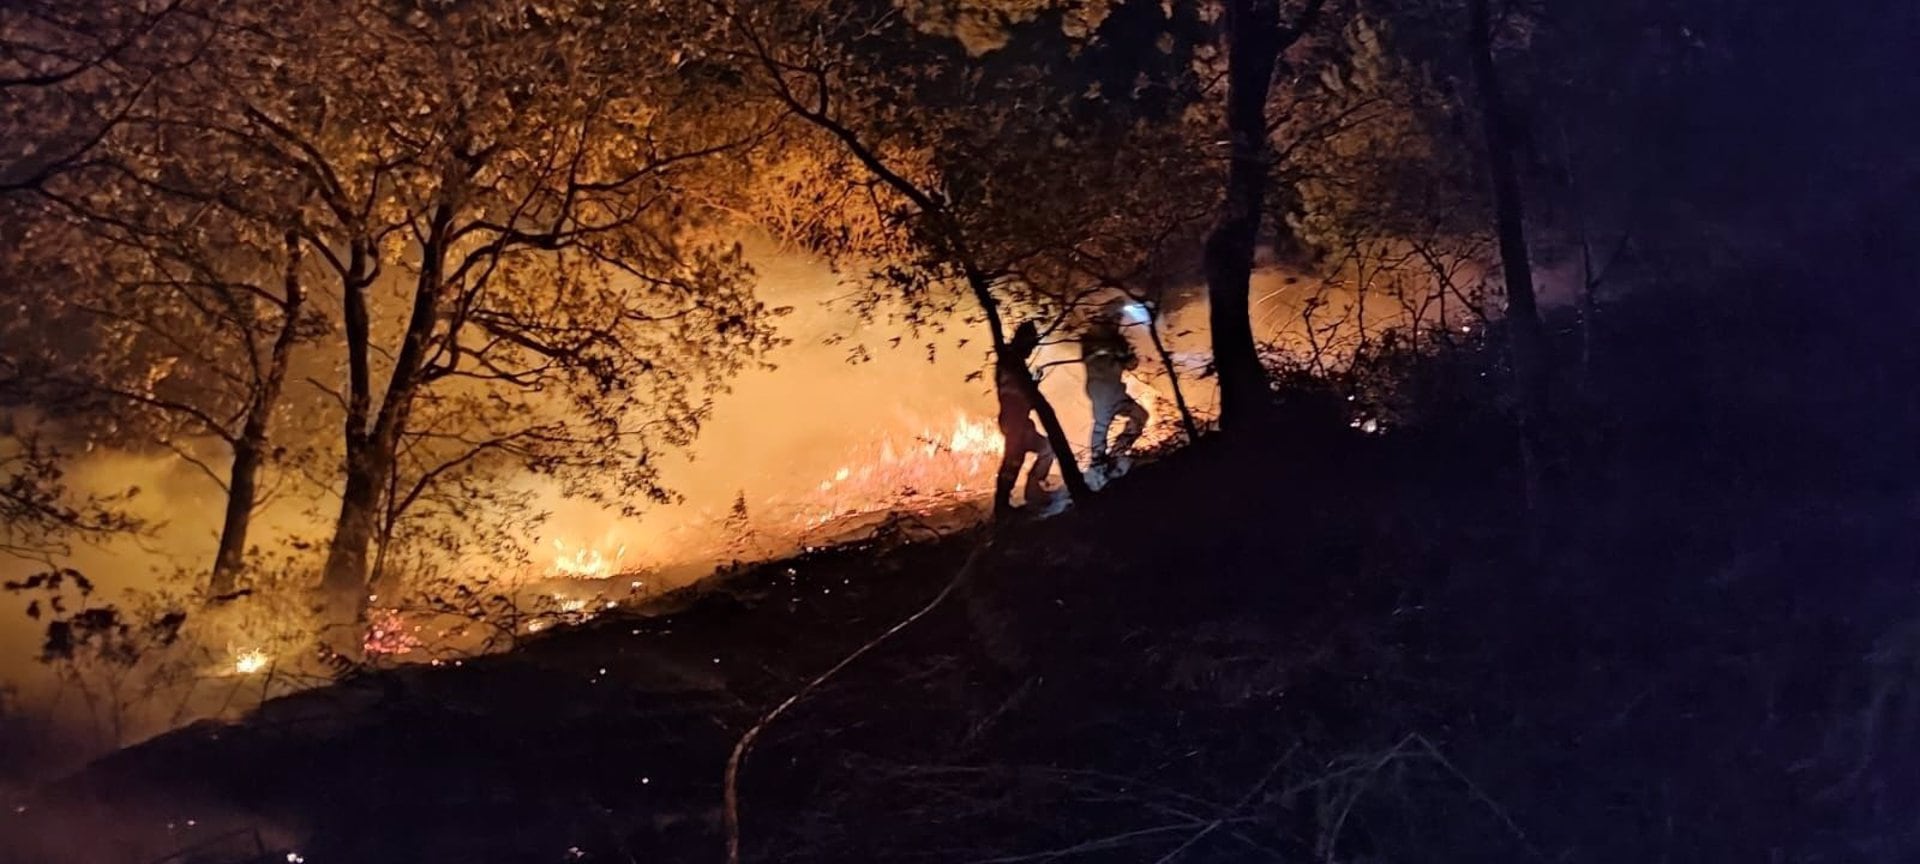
{"x":936,"y":475}
{"x":925,"y":470}
{"x":933,"y":469}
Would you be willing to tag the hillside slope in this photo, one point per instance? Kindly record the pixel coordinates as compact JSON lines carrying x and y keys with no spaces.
{"x":1313,"y":645}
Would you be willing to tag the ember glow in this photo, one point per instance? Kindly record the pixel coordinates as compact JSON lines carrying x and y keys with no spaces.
{"x":388,"y":633}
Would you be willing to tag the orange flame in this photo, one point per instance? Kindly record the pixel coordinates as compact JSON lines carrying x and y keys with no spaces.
{"x":936,"y":464}
{"x":586,"y":562}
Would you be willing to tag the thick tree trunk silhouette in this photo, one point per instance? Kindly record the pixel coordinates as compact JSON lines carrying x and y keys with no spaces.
{"x":345,"y":579}
{"x":242,"y":490}
{"x":1527,"y":345}
{"x":1255,"y":40}
{"x":249,"y":452}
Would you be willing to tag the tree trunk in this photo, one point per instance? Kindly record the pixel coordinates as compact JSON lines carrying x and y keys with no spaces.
{"x":1255,"y":40}
{"x":1253,"y":48}
{"x":978,"y":282}
{"x":1173,"y":376}
{"x":370,"y":452}
{"x":1589,"y":277}
{"x":241,"y":491}
{"x":344,"y":579}
{"x":1523,"y":314}
{"x":1070,"y":475}
{"x":243,"y":478}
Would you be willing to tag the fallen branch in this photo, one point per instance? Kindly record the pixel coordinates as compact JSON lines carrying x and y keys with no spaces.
{"x":1415,"y":741}
{"x":1486,"y":800}
{"x":730,"y":809}
{"x":1353,"y":797}
{"x":1237,"y":807}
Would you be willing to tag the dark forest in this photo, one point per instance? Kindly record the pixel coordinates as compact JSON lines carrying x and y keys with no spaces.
{"x":1006,"y":431}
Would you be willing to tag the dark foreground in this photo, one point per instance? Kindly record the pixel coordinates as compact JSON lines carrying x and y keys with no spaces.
{"x":1703,"y":646}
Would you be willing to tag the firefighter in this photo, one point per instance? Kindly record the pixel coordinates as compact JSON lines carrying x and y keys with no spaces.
{"x":1108,"y":355}
{"x":1011,"y":379}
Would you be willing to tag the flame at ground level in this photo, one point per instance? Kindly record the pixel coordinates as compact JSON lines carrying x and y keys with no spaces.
{"x":814,"y":442}
{"x":917,"y":469}
{"x":587,"y":562}
{"x":949,"y":462}
{"x":936,"y":463}
{"x":389,"y":632}
{"x":250,"y":662}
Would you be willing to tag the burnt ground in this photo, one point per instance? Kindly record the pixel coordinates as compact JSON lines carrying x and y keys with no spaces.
{"x":616,"y":725}
{"x":1701,"y":645}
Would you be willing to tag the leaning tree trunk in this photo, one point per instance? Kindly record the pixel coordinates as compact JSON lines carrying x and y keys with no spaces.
{"x":954,"y":238}
{"x":250,"y":450}
{"x":1172,"y":370}
{"x":1253,"y":48}
{"x":1070,"y":474}
{"x":1528,"y":345}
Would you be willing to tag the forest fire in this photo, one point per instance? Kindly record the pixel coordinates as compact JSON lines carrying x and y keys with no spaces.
{"x":251,"y":662}
{"x":1431,"y":385}
{"x":586,"y":562}
{"x":905,"y":473}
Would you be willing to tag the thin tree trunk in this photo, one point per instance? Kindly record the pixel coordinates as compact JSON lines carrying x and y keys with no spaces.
{"x":1589,"y":279}
{"x":1070,"y":475}
{"x":1076,"y":482}
{"x":341,"y":577}
{"x":248,"y":452}
{"x":1523,"y":314}
{"x":393,"y":505}
{"x":1173,"y":376}
{"x":954,"y":238}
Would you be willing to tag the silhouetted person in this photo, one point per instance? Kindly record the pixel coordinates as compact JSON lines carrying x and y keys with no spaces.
{"x":1108,"y":356}
{"x":1010,"y":381}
